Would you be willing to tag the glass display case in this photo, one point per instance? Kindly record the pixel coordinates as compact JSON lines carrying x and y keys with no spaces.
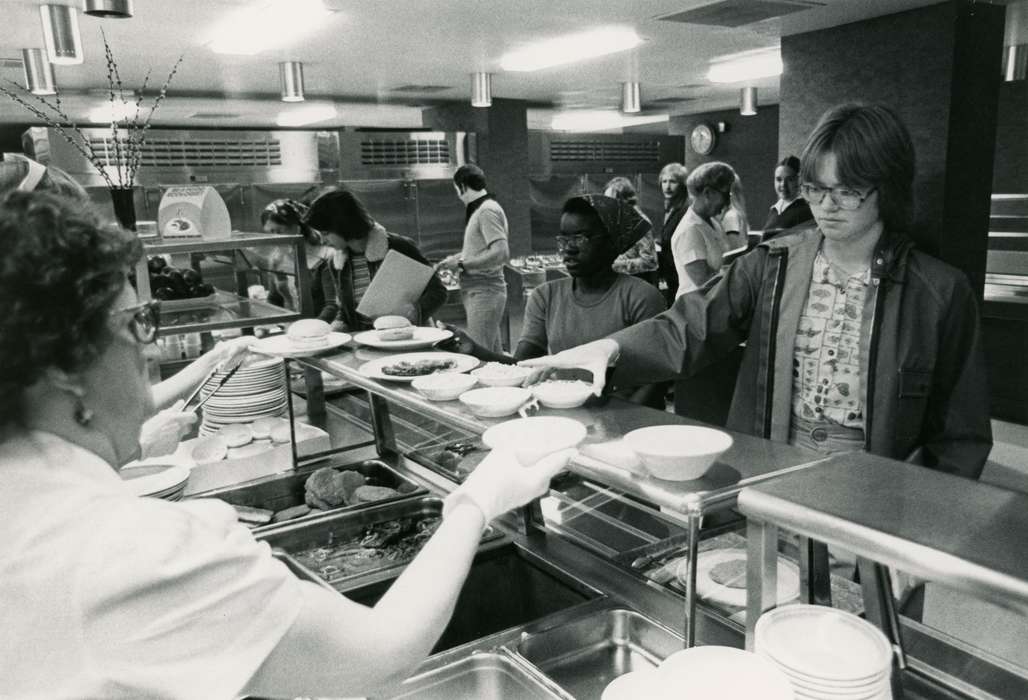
{"x":205,"y":286}
{"x":652,"y":544}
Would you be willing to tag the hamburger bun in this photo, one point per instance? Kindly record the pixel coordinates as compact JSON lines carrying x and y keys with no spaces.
{"x":396,"y":333}
{"x":209,"y":449}
{"x":262,"y":427}
{"x":236,"y":435}
{"x":309,"y":333}
{"x":386,"y":322}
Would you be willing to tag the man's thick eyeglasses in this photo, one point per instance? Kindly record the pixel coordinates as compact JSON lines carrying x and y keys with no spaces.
{"x":146,"y":320}
{"x":579,"y":239}
{"x":844,"y":197}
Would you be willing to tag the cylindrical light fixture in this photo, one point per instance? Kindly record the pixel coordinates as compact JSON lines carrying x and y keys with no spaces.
{"x":630,"y":101}
{"x":748,"y":101}
{"x":111,"y":9}
{"x":39,"y":74}
{"x":61,"y":34}
{"x":481,"y":90}
{"x":290,"y":75}
{"x":1015,"y":62}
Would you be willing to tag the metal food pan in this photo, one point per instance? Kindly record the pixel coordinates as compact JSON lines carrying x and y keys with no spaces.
{"x":286,"y":491}
{"x":482,"y":676}
{"x":586,"y":654}
{"x":332,"y":531}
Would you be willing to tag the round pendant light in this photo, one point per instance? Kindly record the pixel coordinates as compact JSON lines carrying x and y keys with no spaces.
{"x":61,"y":34}
{"x":290,"y":75}
{"x":481,"y":90}
{"x":109,"y":9}
{"x":39,"y":72}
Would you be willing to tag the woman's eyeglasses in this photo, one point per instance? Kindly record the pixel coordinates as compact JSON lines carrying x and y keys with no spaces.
{"x":844,"y":197}
{"x":146,"y":320}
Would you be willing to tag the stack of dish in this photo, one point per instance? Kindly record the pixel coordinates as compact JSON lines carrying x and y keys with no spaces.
{"x":257,"y":390}
{"x":827,"y":654}
{"x":722,"y":672}
{"x":167,"y":481}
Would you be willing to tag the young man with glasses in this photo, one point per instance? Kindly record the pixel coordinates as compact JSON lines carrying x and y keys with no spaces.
{"x":854,"y":339}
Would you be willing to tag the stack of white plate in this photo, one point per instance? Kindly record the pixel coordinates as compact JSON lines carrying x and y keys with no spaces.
{"x":255,"y":391}
{"x":167,"y":481}
{"x":827,"y":654}
{"x":716,"y":672}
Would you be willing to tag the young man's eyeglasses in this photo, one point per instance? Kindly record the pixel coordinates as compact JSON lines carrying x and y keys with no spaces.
{"x":146,"y":320}
{"x":844,"y":197}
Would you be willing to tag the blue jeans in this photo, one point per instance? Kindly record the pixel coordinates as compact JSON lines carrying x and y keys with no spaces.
{"x":825,"y":437}
{"x":484,"y":308}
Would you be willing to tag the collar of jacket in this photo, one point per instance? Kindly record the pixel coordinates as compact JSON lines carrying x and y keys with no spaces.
{"x":886,"y":263}
{"x":472,"y":207}
{"x":378,"y":246}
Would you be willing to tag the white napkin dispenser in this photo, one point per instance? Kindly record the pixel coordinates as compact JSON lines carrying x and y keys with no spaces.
{"x":193,"y":211}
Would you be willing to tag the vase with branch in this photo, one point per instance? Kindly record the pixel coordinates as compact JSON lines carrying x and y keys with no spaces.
{"x":128,"y":130}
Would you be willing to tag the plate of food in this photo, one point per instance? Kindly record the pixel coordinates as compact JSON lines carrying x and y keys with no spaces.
{"x":406,"y":366}
{"x":721,"y":577}
{"x":419,"y":337}
{"x":306,"y":337}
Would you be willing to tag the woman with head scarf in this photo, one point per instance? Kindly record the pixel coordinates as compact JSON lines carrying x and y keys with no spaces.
{"x":641,"y":259}
{"x":285,"y":216}
{"x":593,"y":300}
{"x":107,"y":594}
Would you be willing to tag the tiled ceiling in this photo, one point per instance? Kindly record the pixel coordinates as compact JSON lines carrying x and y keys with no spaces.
{"x":371,"y":56}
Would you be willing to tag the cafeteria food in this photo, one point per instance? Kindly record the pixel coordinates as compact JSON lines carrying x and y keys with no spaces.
{"x":384,"y":544}
{"x":387,"y":322}
{"x":290,"y":513}
{"x":394,"y":334}
{"x":369,"y":494}
{"x":262,"y":428}
{"x":211,"y":449}
{"x":731,"y":573}
{"x":236,"y":434}
{"x":280,"y":434}
{"x":169,"y":283}
{"x":309,"y":333}
{"x":329,"y":488}
{"x":417,"y":368}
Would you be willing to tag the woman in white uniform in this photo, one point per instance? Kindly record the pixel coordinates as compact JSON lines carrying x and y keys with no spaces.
{"x":104,"y":594}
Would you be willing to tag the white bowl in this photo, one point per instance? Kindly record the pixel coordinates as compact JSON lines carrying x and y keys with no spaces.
{"x":562,"y":393}
{"x":443,"y":386}
{"x":496,"y":401}
{"x":498,"y":374}
{"x":678,"y":452}
{"x":531,"y":439}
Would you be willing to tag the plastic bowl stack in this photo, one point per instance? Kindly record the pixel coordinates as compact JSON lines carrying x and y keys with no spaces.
{"x":827,"y":654}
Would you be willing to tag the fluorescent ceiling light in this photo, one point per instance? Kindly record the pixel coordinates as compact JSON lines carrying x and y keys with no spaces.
{"x":750,"y":65}
{"x":570,"y":48}
{"x":267,"y":25}
{"x":110,"y":112}
{"x":599,"y":120}
{"x":307,"y":114}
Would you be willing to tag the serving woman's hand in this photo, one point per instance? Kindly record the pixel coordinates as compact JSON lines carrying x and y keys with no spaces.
{"x":161,"y":434}
{"x":500,"y":482}
{"x":593,"y":357}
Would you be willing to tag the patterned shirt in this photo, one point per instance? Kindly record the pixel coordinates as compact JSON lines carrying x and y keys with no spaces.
{"x":826,"y":365}
{"x":361,"y":275}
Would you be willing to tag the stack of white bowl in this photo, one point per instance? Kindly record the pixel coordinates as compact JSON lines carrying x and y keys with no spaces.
{"x":704,"y":673}
{"x":827,"y":654}
{"x":256,"y":390}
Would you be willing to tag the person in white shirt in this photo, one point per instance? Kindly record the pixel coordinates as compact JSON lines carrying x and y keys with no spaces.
{"x":698,"y":243}
{"x":791,"y":209}
{"x":104,"y":594}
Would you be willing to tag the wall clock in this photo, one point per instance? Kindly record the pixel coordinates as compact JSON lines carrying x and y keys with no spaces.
{"x":703,"y":138}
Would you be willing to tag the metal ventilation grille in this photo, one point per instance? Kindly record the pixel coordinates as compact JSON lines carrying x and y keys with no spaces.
{"x":405,"y":152}
{"x":194,"y":153}
{"x":585,"y":149}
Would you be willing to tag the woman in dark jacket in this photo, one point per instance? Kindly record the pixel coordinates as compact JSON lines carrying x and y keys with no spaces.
{"x":791,"y":209}
{"x":676,"y":201}
{"x":360,"y":245}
